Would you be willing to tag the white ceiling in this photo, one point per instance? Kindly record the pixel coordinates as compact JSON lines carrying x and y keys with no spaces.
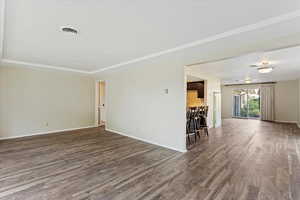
{"x":236,"y":70}
{"x":117,"y":32}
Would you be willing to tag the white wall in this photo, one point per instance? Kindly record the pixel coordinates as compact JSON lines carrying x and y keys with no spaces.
{"x":286,"y":100}
{"x":2,"y":13}
{"x":226,"y":93}
{"x":138,"y":106}
{"x":31,"y":98}
{"x":299,"y":103}
{"x":213,"y":85}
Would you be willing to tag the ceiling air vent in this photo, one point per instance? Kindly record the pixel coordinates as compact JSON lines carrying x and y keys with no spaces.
{"x":69,"y":30}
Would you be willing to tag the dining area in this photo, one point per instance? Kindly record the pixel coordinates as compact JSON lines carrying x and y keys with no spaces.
{"x":196,"y":124}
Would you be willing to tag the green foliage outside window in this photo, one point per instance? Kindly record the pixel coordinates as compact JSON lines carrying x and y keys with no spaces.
{"x":254,"y":108}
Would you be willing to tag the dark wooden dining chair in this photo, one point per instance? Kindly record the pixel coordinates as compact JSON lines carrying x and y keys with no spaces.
{"x":203,"y":119}
{"x":191,"y":125}
{"x":188,"y":121}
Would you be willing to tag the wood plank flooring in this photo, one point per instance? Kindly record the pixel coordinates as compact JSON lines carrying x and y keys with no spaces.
{"x":243,"y":160}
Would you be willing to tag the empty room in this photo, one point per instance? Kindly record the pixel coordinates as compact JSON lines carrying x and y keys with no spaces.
{"x":148,"y":100}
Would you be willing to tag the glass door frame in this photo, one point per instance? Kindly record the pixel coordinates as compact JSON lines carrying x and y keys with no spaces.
{"x":247,"y":96}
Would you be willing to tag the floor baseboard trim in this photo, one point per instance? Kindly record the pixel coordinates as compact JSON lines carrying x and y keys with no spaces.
{"x":287,"y":122}
{"x":143,"y":140}
{"x":46,"y":132}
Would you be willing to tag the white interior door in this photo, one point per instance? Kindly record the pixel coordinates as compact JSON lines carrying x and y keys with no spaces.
{"x":217,"y":110}
{"x":101,"y":109}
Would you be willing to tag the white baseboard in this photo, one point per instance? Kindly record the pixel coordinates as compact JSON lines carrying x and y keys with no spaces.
{"x":288,"y":122}
{"x":46,"y":132}
{"x":147,"y":141}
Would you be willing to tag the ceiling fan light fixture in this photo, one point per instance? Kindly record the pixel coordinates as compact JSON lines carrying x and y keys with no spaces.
{"x":265,"y":70}
{"x":264,"y":67}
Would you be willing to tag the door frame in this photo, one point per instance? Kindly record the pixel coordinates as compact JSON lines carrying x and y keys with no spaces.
{"x":215,"y":125}
{"x":232,"y":102}
{"x":97,"y":96}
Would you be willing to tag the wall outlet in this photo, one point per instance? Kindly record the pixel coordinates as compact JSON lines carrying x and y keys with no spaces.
{"x":47,"y":123}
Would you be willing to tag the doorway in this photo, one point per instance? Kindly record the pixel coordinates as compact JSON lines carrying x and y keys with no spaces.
{"x":101,"y":105}
{"x":196,"y":110}
{"x":217,"y":109}
{"x":246,"y":103}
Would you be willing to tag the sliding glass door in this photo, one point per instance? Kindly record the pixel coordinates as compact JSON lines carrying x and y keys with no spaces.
{"x":246,"y":103}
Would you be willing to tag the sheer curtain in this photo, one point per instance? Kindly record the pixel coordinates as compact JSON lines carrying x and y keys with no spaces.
{"x":267,"y":102}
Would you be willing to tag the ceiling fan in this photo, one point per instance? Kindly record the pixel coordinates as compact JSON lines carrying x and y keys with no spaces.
{"x":264,"y":68}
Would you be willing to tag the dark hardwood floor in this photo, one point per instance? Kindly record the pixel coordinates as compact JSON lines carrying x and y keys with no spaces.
{"x":243,"y":160}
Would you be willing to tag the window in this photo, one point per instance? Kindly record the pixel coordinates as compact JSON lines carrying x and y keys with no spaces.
{"x":246,"y":103}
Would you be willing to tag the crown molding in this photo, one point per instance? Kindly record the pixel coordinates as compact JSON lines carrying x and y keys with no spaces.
{"x":242,"y":29}
{"x":27,"y":64}
{"x":233,"y":32}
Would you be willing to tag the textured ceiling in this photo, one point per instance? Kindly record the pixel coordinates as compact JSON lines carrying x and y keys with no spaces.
{"x":286,"y":63}
{"x":117,"y":32}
